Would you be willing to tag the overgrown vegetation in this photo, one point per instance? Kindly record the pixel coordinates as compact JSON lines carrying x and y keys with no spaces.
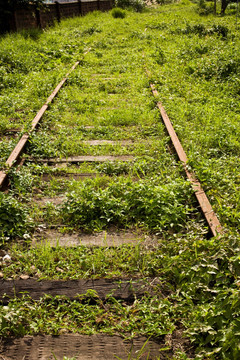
{"x":14,"y":222}
{"x":199,"y":278}
{"x":118,"y":13}
{"x":80,"y":314}
{"x":136,"y":5}
{"x":194,"y":63}
{"x":124,"y":203}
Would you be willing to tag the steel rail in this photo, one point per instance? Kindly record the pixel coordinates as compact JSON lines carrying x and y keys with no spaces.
{"x":15,"y":154}
{"x":206,"y":208}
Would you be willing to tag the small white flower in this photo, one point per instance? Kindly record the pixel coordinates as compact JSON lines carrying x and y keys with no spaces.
{"x":26,"y":236}
{"x":7,"y":258}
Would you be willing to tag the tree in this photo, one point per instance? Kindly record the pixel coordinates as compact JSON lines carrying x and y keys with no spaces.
{"x":224,"y":4}
{"x":12,"y":3}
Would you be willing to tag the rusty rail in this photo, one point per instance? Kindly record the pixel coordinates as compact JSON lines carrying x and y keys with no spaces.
{"x":15,"y":154}
{"x":206,"y":208}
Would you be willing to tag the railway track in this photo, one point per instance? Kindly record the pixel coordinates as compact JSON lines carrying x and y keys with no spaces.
{"x":204,"y":204}
{"x":104,"y":150}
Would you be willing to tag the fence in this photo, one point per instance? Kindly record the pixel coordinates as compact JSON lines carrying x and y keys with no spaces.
{"x":31,"y":17}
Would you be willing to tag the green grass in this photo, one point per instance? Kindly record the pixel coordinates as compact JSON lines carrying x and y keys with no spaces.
{"x":69,"y":316}
{"x":202,"y":276}
{"x":124,"y":203}
{"x":194,"y":63}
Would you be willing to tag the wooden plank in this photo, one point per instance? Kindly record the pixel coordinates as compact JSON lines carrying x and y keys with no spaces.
{"x":59,"y":86}
{"x":205,"y":206}
{"x":80,"y":159}
{"x":39,"y":116}
{"x":3,"y":178}
{"x":82,"y":347}
{"x":108,"y":142}
{"x":17,"y":151}
{"x":54,"y":237}
{"x":119,"y":288}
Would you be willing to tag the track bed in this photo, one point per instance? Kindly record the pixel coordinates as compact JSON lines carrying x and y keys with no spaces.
{"x":108,"y":206}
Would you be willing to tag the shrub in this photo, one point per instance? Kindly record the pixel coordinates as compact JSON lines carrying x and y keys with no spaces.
{"x":136,"y":5}
{"x":33,"y":34}
{"x":221,"y":68}
{"x":118,"y":13}
{"x":204,"y":8}
{"x":201,"y":30}
{"x":159,"y":56}
{"x":220,"y":30}
{"x":198,"y":29}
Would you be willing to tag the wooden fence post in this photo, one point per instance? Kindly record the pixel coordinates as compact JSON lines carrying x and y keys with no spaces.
{"x":13,"y":20}
{"x":58,"y":11}
{"x":80,"y":7}
{"x":38,"y":18}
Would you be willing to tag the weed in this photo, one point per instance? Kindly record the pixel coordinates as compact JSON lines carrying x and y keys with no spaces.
{"x":33,"y":34}
{"x":139,"y":355}
{"x":220,"y":30}
{"x":21,"y":182}
{"x":194,"y":63}
{"x":124,"y":203}
{"x":14,"y":220}
{"x":16,"y":318}
{"x":91,"y":30}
